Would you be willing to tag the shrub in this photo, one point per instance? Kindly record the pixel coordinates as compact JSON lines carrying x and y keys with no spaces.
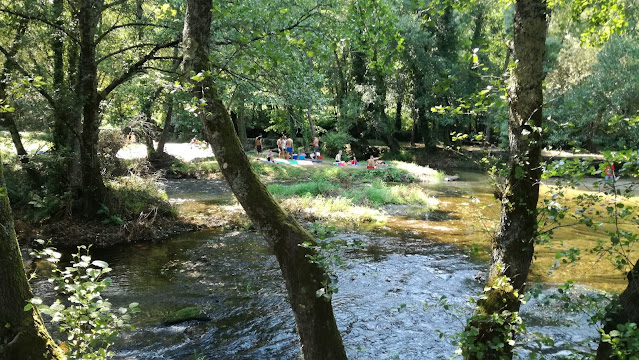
{"x":83,"y":315}
{"x":109,"y":143}
{"x":334,"y":141}
{"x":133,"y":195}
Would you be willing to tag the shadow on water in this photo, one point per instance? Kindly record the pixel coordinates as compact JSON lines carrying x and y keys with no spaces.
{"x":381,"y":305}
{"x":386,"y":306}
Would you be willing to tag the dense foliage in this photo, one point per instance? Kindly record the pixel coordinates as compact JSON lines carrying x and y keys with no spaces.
{"x":366,"y":76}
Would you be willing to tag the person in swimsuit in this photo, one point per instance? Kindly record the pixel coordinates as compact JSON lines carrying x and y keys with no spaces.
{"x":258,"y":145}
{"x":289,"y":148}
{"x":270,"y":157}
{"x":279,"y":147}
{"x":370,"y":163}
{"x":315,"y":147}
{"x":338,"y":157}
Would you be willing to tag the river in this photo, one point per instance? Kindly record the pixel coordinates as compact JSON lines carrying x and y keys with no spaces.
{"x":386,"y":306}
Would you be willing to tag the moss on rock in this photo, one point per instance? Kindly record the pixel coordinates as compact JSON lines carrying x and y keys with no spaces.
{"x":186,"y":314}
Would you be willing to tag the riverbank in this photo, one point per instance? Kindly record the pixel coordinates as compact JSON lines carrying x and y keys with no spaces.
{"x":362,"y":193}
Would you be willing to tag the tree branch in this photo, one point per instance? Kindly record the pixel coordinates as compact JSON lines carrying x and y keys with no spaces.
{"x":40,"y":19}
{"x":160,"y":70}
{"x":120,"y":51}
{"x":112,"y":4}
{"x":21,"y":70}
{"x":299,"y":21}
{"x":134,"y":68}
{"x":116,"y":27}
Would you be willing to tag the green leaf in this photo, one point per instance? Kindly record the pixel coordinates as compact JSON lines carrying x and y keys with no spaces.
{"x":100,"y":264}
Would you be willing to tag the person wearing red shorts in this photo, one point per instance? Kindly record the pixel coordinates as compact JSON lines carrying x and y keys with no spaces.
{"x":370,"y":163}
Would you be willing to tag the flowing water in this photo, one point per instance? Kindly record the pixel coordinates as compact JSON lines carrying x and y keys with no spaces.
{"x":389,"y":304}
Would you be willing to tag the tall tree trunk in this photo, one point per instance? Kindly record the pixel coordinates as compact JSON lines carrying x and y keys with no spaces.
{"x":69,"y":116}
{"x":291,"y":124}
{"x":413,"y":132}
{"x":423,"y":126}
{"x":310,"y":100}
{"x":65,"y":142}
{"x":626,"y":310}
{"x":22,"y":334}
{"x":513,"y":247}
{"x":398,"y":114}
{"x":169,"y":108}
{"x":94,"y":191}
{"x":148,"y":127}
{"x":6,"y":118}
{"x":164,"y":136}
{"x":316,"y":324}
{"x":342,"y":86}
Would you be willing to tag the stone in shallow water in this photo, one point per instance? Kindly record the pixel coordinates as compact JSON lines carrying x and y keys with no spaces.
{"x":186,"y":314}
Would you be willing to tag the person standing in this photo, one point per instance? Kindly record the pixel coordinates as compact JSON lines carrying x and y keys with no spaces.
{"x":610,"y":172}
{"x":289,"y":148}
{"x":280,"y":146}
{"x":316,"y":150}
{"x":258,"y":145}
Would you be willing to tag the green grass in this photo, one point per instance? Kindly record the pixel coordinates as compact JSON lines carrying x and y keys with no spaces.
{"x":196,"y":168}
{"x":337,"y":208}
{"x":380,"y":194}
{"x":375,"y":194}
{"x":330,"y":201}
{"x":302,"y":189}
{"x":395,"y":172}
{"x":133,"y":195}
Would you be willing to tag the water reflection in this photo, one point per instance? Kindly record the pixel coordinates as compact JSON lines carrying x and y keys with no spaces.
{"x":385,"y":307}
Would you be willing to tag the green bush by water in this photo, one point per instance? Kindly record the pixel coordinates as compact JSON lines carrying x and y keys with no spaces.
{"x":133,"y":195}
{"x":195,"y":168}
{"x":302,"y":189}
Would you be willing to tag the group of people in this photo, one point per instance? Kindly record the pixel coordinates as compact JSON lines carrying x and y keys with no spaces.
{"x":371,"y":163}
{"x":285,"y":147}
{"x":285,"y":151}
{"x":196,"y":142}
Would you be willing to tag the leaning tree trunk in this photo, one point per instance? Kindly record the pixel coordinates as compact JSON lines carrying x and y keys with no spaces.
{"x":94,"y":191}
{"x":241,"y":125}
{"x":164,"y":136}
{"x":6,"y":118}
{"x":512,"y":249}
{"x":316,"y":324}
{"x":148,"y":127}
{"x":22,"y":334}
{"x":626,"y":310}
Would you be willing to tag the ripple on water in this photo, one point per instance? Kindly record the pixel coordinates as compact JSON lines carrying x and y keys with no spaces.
{"x":385,"y":307}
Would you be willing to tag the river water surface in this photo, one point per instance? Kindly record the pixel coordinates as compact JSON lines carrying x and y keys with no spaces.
{"x":386,"y":306}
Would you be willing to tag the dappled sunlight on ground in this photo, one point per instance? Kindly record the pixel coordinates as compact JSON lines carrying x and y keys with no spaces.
{"x":183,"y":151}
